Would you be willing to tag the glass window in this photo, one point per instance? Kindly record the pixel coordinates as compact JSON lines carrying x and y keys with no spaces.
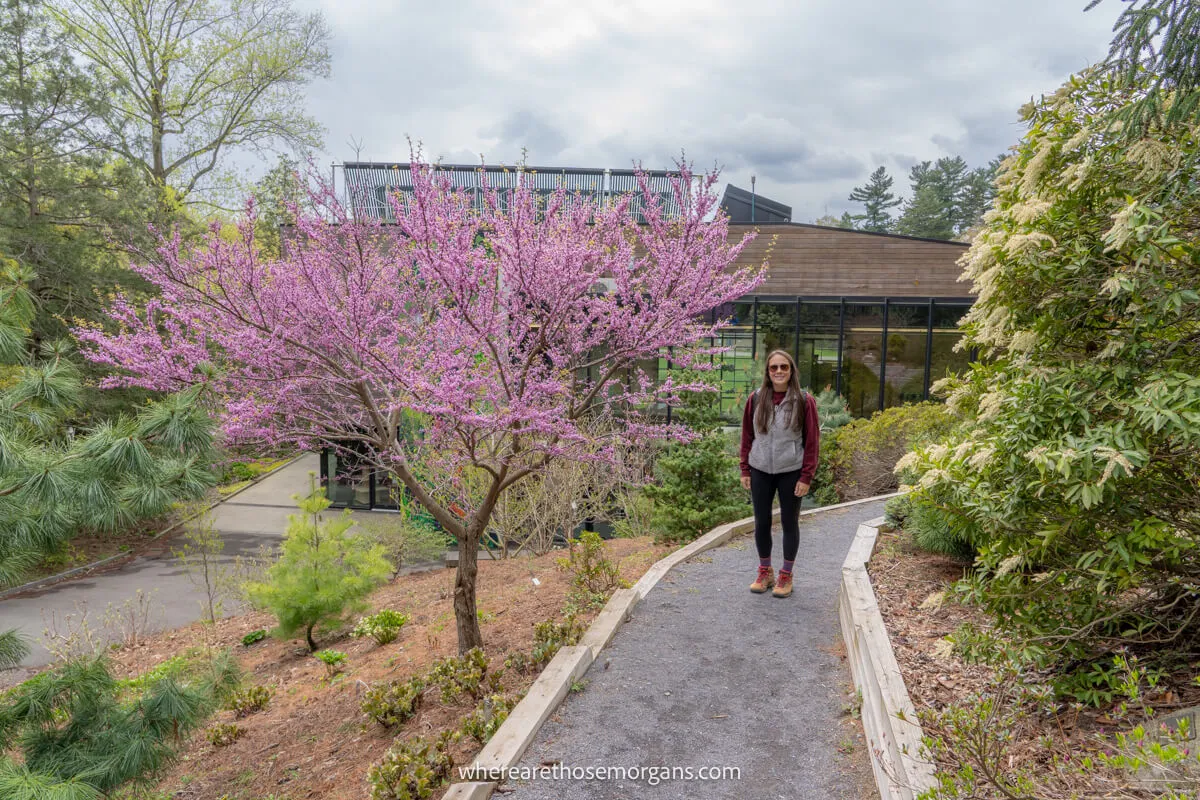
{"x":349,"y":480}
{"x":817,"y":356}
{"x":388,"y":491}
{"x":776,"y":328}
{"x":945,"y":360}
{"x":904,"y":378}
{"x":736,"y":369}
{"x":861,"y":354}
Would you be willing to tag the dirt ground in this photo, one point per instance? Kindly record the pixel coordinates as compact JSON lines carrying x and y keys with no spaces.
{"x":312,"y":741}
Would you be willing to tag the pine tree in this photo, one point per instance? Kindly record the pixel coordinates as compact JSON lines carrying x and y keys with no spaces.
{"x":925,"y":215}
{"x":1156,"y":51}
{"x":832,"y":413}
{"x":275,"y":195}
{"x":950,"y":176}
{"x":977,"y":198}
{"x":696,"y":484}
{"x":57,"y":482}
{"x":946,"y":200}
{"x":323,"y":571}
{"x":13,"y":649}
{"x":59,"y":195}
{"x":79,"y":736}
{"x":877,"y":198}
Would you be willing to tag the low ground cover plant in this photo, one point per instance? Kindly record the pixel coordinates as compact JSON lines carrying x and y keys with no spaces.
{"x":251,"y":699}
{"x":413,"y":769}
{"x":384,"y":626}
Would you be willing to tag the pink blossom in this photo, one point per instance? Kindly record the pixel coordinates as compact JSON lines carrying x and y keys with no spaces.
{"x":482,"y":319}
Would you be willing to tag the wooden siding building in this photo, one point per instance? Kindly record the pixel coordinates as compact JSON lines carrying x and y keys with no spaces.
{"x":816,"y":261}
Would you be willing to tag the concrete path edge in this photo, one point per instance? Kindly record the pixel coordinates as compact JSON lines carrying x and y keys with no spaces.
{"x":504,"y":750}
{"x":42,"y":583}
{"x":889,"y":719}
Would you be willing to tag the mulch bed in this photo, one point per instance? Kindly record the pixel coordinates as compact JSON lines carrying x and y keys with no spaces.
{"x":914,"y":592}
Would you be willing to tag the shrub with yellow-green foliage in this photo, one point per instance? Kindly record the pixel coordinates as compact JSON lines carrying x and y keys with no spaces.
{"x":863,"y":453}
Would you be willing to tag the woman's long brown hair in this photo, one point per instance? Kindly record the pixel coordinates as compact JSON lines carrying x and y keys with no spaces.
{"x":766,"y":408}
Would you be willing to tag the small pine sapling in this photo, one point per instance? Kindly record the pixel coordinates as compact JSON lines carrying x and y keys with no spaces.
{"x":323,"y":571}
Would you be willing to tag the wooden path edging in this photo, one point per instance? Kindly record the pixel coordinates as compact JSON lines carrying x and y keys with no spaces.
{"x":506,"y":747}
{"x":888,"y":716}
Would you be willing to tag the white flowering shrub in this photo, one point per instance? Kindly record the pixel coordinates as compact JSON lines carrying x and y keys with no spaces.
{"x":1078,"y":474}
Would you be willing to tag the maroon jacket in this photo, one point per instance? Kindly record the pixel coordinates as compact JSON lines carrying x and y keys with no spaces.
{"x":812,"y":434}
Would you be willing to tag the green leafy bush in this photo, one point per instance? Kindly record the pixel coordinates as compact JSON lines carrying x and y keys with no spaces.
{"x":550,"y":636}
{"x":224,"y":734}
{"x":238,"y":471}
{"x":1079,"y":466}
{"x":245,"y":702}
{"x":518,"y":661}
{"x":593,"y":575}
{"x":482,"y":723}
{"x":465,"y":674}
{"x":253,"y":636}
{"x":393,"y":703}
{"x":983,"y":750}
{"x":384,"y":627}
{"x":323,"y":571}
{"x":332,"y":659}
{"x":867,"y":450}
{"x":413,"y":769}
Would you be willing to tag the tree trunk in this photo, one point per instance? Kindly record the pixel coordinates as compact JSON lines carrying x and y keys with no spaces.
{"x":464,"y":589}
{"x":312,"y":645}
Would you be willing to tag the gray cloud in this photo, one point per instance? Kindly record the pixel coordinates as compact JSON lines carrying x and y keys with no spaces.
{"x":524,"y":129}
{"x":809,"y":97}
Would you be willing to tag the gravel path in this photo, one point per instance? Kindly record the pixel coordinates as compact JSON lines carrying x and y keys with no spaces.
{"x":707,"y":674}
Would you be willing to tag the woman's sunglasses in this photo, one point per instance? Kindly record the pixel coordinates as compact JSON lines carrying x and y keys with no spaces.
{"x":779,"y":368}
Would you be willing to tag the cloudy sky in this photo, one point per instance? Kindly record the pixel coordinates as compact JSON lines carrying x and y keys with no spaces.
{"x":810,"y":96}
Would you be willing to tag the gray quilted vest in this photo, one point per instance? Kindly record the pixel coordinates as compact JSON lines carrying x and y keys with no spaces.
{"x":780,"y":449}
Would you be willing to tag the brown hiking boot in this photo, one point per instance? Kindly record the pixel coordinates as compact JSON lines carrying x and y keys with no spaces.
{"x":783,"y":587}
{"x":765,"y":580}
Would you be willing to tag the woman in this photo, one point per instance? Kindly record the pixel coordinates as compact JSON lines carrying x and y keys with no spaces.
{"x":781,"y":439}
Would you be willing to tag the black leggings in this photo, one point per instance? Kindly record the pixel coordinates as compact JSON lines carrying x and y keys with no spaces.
{"x":763,"y":486}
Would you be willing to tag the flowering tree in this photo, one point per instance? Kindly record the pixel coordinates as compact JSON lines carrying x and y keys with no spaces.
{"x":480,"y":317}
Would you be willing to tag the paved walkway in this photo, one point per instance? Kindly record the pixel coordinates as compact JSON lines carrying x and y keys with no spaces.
{"x":708,"y":674}
{"x":250,"y":519}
